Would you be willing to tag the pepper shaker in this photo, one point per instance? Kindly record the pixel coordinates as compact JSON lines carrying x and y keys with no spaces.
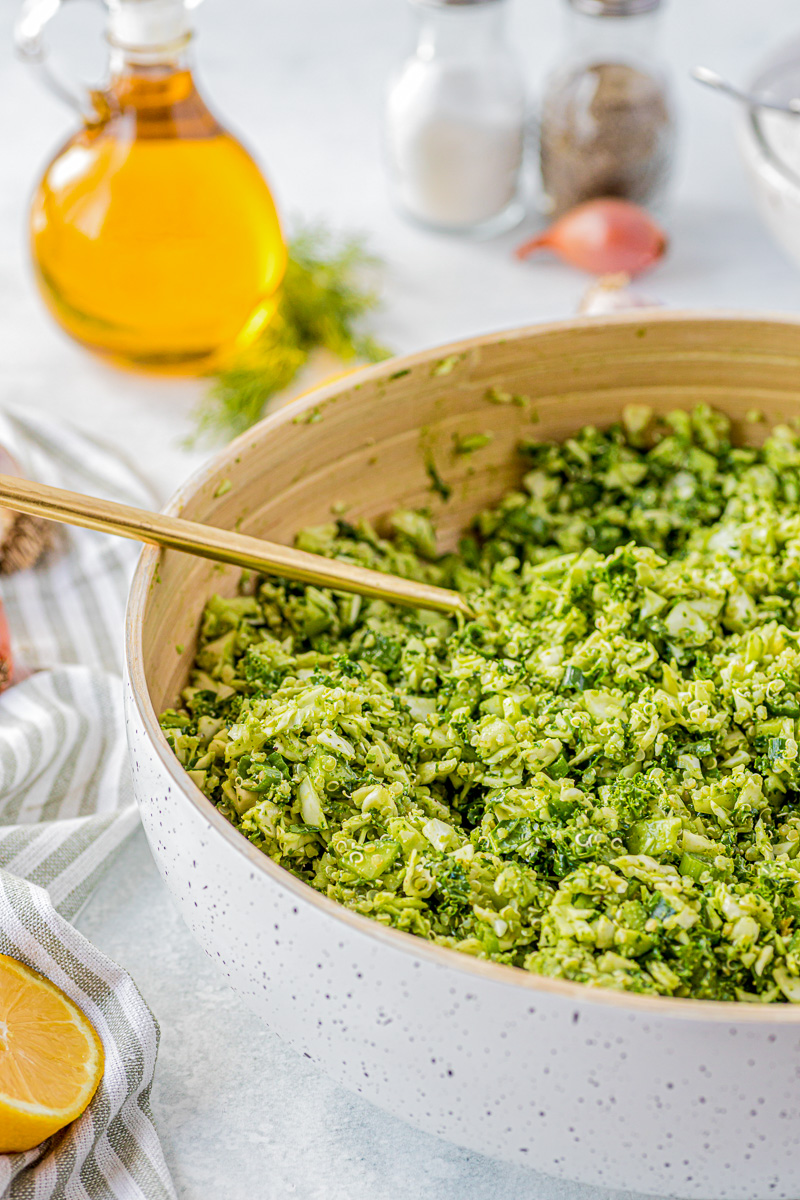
{"x":607,"y":125}
{"x":455,"y":119}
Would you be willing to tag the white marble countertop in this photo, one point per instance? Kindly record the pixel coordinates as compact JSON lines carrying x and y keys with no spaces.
{"x":241,"y":1115}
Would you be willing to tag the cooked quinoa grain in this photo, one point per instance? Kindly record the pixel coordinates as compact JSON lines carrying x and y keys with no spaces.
{"x":596,"y":779}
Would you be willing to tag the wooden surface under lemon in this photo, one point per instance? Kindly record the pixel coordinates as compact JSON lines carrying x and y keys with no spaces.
{"x":51,"y":1058}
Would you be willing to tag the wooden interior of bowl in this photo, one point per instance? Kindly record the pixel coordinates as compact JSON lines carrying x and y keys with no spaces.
{"x":372,"y":441}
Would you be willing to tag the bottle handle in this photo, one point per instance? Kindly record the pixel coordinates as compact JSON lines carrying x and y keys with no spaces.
{"x":29,"y":39}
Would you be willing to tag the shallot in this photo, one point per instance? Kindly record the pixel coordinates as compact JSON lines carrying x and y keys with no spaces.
{"x":603,"y":237}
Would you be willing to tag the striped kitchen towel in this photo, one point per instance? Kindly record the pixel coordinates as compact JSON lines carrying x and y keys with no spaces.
{"x":66,"y":807}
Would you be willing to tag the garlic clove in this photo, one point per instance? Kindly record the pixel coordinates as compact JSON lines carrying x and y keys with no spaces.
{"x":612,"y":294}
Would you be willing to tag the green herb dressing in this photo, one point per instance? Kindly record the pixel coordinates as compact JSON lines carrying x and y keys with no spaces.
{"x":598,"y":778}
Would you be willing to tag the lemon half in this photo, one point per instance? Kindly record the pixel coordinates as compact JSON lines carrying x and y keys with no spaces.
{"x":51,"y":1058}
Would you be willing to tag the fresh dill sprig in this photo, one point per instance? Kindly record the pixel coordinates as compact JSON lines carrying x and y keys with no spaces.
{"x":322,"y":303}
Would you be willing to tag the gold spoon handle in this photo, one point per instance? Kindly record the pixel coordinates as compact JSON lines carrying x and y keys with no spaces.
{"x":221,"y":545}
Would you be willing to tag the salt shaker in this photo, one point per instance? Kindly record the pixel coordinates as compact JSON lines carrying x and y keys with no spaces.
{"x":455,"y":119}
{"x":607,"y":126}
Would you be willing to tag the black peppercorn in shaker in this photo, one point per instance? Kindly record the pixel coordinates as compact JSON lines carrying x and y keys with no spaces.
{"x":607,"y":126}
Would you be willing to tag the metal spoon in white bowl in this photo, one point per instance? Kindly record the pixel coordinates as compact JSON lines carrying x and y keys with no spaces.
{"x":711,"y":79}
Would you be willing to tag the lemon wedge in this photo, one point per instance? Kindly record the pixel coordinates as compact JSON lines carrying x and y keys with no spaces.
{"x":51,"y":1059}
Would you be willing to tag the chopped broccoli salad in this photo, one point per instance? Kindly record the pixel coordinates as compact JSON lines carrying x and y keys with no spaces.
{"x":596,"y":779}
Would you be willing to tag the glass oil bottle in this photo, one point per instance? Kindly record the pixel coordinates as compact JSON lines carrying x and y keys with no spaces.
{"x":154,"y":235}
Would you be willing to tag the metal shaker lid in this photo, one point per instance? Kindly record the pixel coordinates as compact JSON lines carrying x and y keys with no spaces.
{"x":614,"y":8}
{"x":452,"y":3}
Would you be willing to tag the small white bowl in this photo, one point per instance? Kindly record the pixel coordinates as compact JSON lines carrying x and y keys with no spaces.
{"x":770,"y":145}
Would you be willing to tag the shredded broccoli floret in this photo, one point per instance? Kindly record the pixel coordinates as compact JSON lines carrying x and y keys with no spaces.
{"x":597,"y":778}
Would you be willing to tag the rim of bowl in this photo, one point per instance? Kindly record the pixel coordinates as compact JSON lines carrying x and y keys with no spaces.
{"x":679,"y":1008}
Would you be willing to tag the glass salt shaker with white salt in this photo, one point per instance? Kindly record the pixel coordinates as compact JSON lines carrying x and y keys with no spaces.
{"x":455,"y":121}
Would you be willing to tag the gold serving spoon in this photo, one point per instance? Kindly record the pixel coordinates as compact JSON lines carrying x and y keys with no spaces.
{"x":222,"y":545}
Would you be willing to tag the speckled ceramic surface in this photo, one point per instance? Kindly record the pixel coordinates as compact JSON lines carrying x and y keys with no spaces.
{"x":673,"y":1098}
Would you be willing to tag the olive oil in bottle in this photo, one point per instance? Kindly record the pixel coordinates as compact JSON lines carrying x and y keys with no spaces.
{"x":154,"y":235}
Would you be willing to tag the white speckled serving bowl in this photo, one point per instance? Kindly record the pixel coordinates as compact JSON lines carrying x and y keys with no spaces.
{"x":671,"y":1097}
